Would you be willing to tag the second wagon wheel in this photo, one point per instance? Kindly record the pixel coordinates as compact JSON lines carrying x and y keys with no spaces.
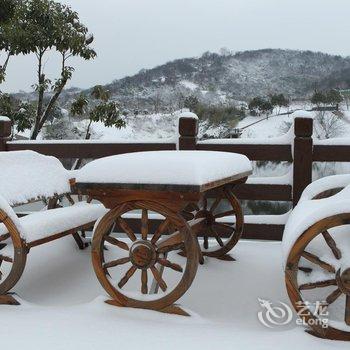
{"x":318,"y":277}
{"x":128,"y":261}
{"x":224,"y":223}
{"x":13,"y":254}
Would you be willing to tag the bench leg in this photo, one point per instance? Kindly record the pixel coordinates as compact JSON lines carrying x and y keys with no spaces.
{"x":81,"y":244}
{"x":8,"y":299}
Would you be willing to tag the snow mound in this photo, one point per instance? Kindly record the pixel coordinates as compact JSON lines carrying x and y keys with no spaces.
{"x":165,"y":167}
{"x":46,"y":223}
{"x":308,"y":212}
{"x":27,"y":175}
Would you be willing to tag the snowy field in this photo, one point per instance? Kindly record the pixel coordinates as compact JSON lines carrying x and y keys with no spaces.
{"x":63,"y":307}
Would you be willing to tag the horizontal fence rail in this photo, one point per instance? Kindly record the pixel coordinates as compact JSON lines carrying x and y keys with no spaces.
{"x":87,"y":150}
{"x":253,"y":152}
{"x":299,"y":149}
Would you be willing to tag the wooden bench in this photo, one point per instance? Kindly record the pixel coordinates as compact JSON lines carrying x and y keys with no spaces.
{"x":316,"y":257}
{"x":27,"y":176}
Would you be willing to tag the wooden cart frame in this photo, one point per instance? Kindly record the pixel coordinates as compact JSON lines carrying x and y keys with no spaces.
{"x":186,"y":215}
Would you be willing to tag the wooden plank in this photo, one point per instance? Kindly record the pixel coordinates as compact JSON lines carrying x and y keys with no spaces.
{"x":263,"y":232}
{"x":263,"y":192}
{"x":252,"y":151}
{"x":302,"y":165}
{"x":87,"y":149}
{"x":331,"y":153}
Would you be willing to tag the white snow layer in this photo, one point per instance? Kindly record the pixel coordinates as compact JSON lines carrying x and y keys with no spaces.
{"x":308,"y":212}
{"x":325,"y":184}
{"x":165,"y":167}
{"x":27,"y":175}
{"x":63,"y":307}
{"x":4,"y":119}
{"x":49,"y":222}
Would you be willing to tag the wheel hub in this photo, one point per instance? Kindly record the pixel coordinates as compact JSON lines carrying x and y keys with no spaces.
{"x":143,"y":254}
{"x":343,"y":281}
{"x":207,"y":215}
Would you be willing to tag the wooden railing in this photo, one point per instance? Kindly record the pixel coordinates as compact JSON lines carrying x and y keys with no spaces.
{"x":297,"y":148}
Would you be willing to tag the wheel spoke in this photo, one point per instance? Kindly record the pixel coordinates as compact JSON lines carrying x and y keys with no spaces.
{"x":216,"y":236}
{"x":206,"y":242}
{"x":169,"y":264}
{"x":223,"y":229}
{"x":215,"y":205}
{"x":6,"y":258}
{"x":161,"y":228}
{"x":117,"y":262}
{"x":333,"y":296}
{"x":332,"y":244}
{"x":144,"y":224}
{"x":167,"y":244}
{"x":319,"y":284}
{"x":347,"y":310}
{"x":205,"y":203}
{"x":305,"y":269}
{"x":169,"y":248}
{"x":144,"y":281}
{"x":127,"y":276}
{"x":316,"y":260}
{"x":114,"y":241}
{"x":223,"y":214}
{"x":127,"y":229}
{"x":4,"y":237}
{"x":159,"y":279}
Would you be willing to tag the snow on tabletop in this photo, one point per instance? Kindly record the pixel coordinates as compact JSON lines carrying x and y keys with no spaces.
{"x":165,"y":168}
{"x":27,"y":175}
{"x":324,"y":184}
{"x":308,"y":212}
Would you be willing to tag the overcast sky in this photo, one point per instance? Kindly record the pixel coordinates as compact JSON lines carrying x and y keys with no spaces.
{"x":135,"y":34}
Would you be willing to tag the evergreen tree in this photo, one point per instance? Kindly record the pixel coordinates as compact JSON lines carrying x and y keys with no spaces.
{"x":47,"y":27}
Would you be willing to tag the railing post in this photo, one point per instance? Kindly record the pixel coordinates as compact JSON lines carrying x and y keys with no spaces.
{"x":5,"y":132}
{"x":302,"y":163}
{"x":188,"y":131}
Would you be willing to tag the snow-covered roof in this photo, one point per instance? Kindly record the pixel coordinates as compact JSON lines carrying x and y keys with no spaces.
{"x":27,"y":175}
{"x":165,"y":168}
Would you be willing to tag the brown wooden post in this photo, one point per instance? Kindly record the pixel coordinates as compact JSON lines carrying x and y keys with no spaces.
{"x":5,"y":132}
{"x":188,"y":131}
{"x":302,"y":164}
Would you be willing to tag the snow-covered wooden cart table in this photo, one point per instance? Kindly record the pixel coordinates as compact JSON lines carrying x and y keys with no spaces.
{"x":189,"y":194}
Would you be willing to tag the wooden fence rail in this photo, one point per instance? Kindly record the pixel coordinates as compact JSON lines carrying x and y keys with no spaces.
{"x":299,"y":150}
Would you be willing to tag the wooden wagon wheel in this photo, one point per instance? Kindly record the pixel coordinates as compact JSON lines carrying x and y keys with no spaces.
{"x":147,"y":255}
{"x":318,"y":267}
{"x":224,"y":222}
{"x":13,"y":255}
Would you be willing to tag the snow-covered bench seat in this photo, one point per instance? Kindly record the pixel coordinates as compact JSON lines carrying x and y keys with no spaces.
{"x":28,"y":176}
{"x":316,"y":255}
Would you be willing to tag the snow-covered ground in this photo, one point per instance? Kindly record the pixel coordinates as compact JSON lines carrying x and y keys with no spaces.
{"x":63,"y":307}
